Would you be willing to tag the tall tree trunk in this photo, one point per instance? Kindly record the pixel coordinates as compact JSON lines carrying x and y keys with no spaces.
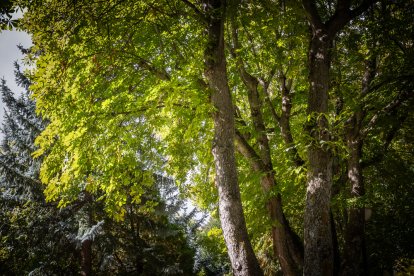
{"x":242,"y":257}
{"x":317,"y":235}
{"x":85,"y":223}
{"x":86,"y":255}
{"x":318,"y":259}
{"x":286,"y":244}
{"x":354,"y":258}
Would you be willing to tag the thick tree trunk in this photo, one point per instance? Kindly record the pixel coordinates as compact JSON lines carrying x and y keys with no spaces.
{"x":242,"y":257}
{"x":317,"y":235}
{"x":318,"y":258}
{"x":286,"y":244}
{"x":337,"y":255}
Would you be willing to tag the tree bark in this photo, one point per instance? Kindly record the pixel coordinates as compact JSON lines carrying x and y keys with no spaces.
{"x":85,"y":223}
{"x":354,"y":257}
{"x":318,"y":259}
{"x":285,"y":121}
{"x":242,"y":257}
{"x":286,"y":244}
{"x":317,"y":235}
{"x":86,"y":255}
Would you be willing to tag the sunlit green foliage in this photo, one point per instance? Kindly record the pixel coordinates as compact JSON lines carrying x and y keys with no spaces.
{"x":40,"y":238}
{"x":109,"y":93}
{"x":123,"y":88}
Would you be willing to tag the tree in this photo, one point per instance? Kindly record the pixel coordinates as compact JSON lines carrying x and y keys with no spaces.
{"x":37,"y":237}
{"x":318,"y":237}
{"x":241,"y":253}
{"x":32,"y":231}
{"x":83,"y":159}
{"x":156,"y":86}
{"x":150,"y":240}
{"x":398,"y":103}
{"x":164,"y":80}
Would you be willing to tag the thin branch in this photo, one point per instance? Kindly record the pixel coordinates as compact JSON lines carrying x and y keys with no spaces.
{"x":285,"y":121}
{"x":200,"y":14}
{"x":250,"y":81}
{"x":392,"y":106}
{"x":239,"y":120}
{"x":388,"y":138}
{"x":249,"y":153}
{"x":161,"y":74}
{"x":265,"y":86}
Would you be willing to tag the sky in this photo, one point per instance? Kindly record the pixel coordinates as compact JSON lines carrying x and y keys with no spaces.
{"x":8,"y":54}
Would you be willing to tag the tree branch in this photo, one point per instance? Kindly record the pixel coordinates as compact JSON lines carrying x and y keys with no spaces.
{"x":199,"y":13}
{"x":389,"y":137}
{"x":254,"y":100}
{"x":161,"y":74}
{"x":392,"y":106}
{"x":312,"y":14}
{"x":343,"y":14}
{"x":275,"y":116}
{"x":249,"y":153}
{"x":284,"y":122}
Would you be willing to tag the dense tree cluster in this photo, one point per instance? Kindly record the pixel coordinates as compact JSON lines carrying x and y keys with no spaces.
{"x":37,"y":238}
{"x":288,"y":122}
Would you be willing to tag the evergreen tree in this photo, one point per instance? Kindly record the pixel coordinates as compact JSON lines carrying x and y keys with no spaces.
{"x":153,"y":238}
{"x":123,"y":82}
{"x":35,"y":235}
{"x":39,"y":238}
